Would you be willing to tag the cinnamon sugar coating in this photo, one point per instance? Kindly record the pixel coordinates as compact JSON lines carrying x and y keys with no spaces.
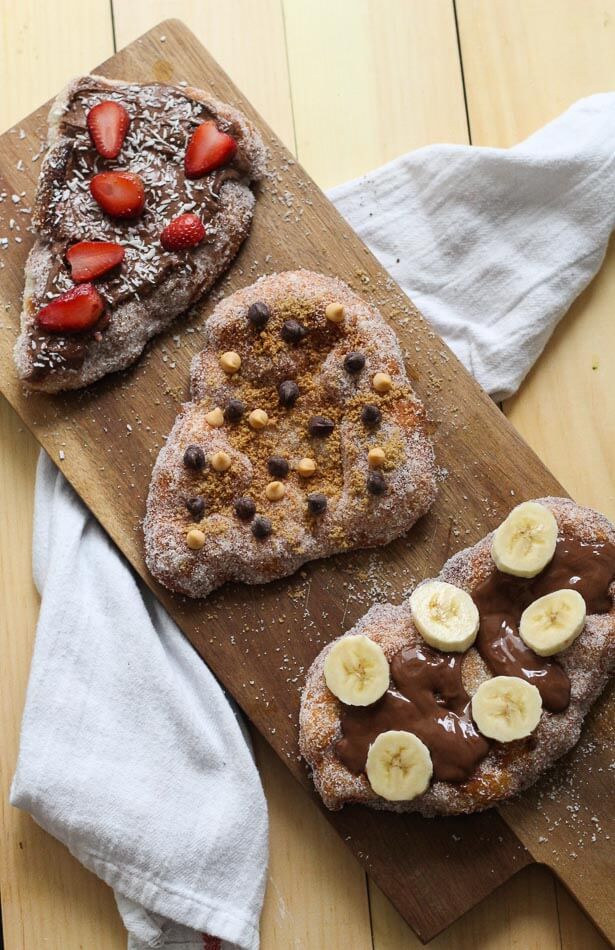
{"x":507,"y":769}
{"x":352,"y":517}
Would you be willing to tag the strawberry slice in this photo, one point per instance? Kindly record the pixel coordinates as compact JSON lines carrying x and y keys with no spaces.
{"x":78,"y":309}
{"x":119,"y":194}
{"x":90,"y":259}
{"x":183,"y":232}
{"x":207,"y":149}
{"x":108,"y":123}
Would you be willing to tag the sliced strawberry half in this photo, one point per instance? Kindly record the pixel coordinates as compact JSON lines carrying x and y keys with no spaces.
{"x":183,"y":232}
{"x":207,"y":149}
{"x":78,"y":309}
{"x":108,"y":123}
{"x":90,"y":259}
{"x":119,"y":194}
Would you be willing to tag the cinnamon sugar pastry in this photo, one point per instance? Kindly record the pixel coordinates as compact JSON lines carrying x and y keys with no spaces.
{"x":303,"y":438}
{"x":485,"y":720}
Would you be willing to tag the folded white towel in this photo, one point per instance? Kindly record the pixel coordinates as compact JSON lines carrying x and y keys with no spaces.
{"x":493,"y":245}
{"x":130,"y":752}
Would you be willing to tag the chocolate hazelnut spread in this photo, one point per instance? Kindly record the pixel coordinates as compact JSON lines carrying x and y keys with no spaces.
{"x":501,"y":599}
{"x":429,"y":700}
{"x":162,"y":118}
{"x":427,"y":695}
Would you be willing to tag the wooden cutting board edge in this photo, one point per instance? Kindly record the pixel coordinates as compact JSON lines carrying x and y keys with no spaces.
{"x":519,"y":855}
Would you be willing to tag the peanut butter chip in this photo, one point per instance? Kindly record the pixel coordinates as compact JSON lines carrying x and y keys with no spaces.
{"x":230,"y":362}
{"x":306,"y":467}
{"x":215,"y":418}
{"x":382,"y":382}
{"x":220,"y":461}
{"x":258,"y":419}
{"x":195,"y":539}
{"x":376,"y":457}
{"x":334,"y":312}
{"x":274,"y":491}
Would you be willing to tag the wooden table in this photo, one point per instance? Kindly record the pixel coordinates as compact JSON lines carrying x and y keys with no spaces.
{"x":387,"y":75}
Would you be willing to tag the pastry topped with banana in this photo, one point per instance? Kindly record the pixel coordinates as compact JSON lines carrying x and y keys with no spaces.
{"x":464,"y":694}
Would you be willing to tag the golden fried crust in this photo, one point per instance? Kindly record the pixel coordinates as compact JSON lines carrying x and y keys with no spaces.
{"x":354,"y":518}
{"x":140,"y":317}
{"x":507,"y":769}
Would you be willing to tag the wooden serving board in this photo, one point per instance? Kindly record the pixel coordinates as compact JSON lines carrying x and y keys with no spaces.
{"x":259,"y":641}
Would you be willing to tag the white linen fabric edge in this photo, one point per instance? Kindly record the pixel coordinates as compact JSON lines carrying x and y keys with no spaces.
{"x":493,"y":245}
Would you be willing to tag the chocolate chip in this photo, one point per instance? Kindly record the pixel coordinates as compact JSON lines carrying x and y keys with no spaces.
{"x":354,"y":362}
{"x":376,"y":484}
{"x":288,"y":391}
{"x":234,"y":410}
{"x":196,"y":506}
{"x":317,"y":503}
{"x":194,"y":457}
{"x":278,"y":466}
{"x":320,"y":426}
{"x":370,"y":415}
{"x":261,"y":527}
{"x":292,"y":331}
{"x":258,"y":315}
{"x":245,"y":508}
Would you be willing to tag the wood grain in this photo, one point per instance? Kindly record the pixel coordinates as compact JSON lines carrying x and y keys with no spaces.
{"x":371,"y":80}
{"x":91,"y":429}
{"x":523,"y":64}
{"x":519,"y":915}
{"x":48,"y":898}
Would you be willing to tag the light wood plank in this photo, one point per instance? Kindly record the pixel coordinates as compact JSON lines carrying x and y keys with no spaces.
{"x":524,"y":63}
{"x":520,"y":914}
{"x":316,"y":891}
{"x":42,"y":46}
{"x":577,"y":930}
{"x":246,"y":37}
{"x":47,"y":897}
{"x":371,"y":79}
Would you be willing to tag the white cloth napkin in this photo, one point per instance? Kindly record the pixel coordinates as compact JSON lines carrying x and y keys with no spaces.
{"x":130,"y":753}
{"x":493,"y":245}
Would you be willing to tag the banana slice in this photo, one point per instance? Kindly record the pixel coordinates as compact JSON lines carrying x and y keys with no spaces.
{"x":506,"y":708}
{"x":553,"y":622}
{"x":398,"y":766}
{"x":525,"y":541}
{"x":445,"y":615}
{"x":357,"y":671}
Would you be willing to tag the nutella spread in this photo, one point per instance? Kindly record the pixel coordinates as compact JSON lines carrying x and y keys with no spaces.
{"x":161,"y":120}
{"x":430,"y":701}
{"x":427,"y":697}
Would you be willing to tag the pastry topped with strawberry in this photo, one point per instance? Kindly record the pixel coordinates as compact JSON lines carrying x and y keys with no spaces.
{"x":143,"y":201}
{"x":303,"y":438}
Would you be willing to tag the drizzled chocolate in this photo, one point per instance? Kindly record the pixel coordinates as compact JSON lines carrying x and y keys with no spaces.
{"x":429,"y":700}
{"x":162,"y":119}
{"x":501,"y":599}
{"x":427,"y":696}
